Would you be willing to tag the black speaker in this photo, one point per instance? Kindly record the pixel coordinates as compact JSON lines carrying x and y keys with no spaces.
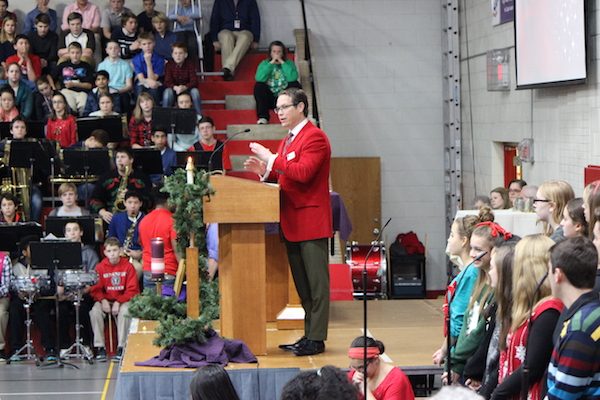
{"x":408,"y":280}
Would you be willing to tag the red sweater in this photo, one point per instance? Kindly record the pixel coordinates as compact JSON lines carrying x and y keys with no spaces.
{"x":63,"y":130}
{"x":115,"y":282}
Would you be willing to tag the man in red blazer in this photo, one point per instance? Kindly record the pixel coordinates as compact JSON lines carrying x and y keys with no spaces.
{"x":301,"y":166}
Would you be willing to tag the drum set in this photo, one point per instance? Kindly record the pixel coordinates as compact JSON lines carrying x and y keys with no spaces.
{"x":377,"y":281}
{"x":73,"y":281}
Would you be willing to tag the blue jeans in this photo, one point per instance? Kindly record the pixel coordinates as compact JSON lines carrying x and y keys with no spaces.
{"x":168,"y":280}
{"x":155,"y":93}
{"x":168,"y":99}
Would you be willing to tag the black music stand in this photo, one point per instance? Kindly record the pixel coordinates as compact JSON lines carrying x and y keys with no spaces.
{"x":11,"y":234}
{"x":54,"y":256}
{"x":149,"y":161}
{"x":56,"y":226}
{"x":113,"y":125}
{"x":200,"y":159}
{"x":35,"y":129}
{"x":182,"y":121}
{"x":86,"y":162}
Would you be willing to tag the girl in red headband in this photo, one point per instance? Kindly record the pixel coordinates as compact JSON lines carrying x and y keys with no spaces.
{"x":384,"y":381}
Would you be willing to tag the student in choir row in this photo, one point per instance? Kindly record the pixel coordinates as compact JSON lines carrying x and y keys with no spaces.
{"x":106,"y":103}
{"x":31,"y":21}
{"x":8,"y":205}
{"x":75,"y":77}
{"x":7,"y":39}
{"x":31,"y":65}
{"x":42,"y":99}
{"x":145,"y":17}
{"x":120,"y":73}
{"x":163,"y":36}
{"x":89,"y":12}
{"x":112,"y":17}
{"x":122,"y":222}
{"x":44,"y":43}
{"x":117,"y":284}
{"x":61,"y":125}
{"x":180,"y":77}
{"x":149,"y":68}
{"x":102,"y":82}
{"x":141,"y":122}
{"x":126,"y":35}
{"x":22,"y":91}
{"x":8,"y":110}
{"x":68,"y":195}
{"x":97,"y":140}
{"x":76,"y":32}
{"x":168,"y":155}
{"x":183,"y":142}
{"x":208,"y":142}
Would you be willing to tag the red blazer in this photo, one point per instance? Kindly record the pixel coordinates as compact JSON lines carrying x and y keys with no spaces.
{"x":303,"y":173}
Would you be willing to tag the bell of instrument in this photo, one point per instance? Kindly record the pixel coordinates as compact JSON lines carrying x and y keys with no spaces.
{"x":119,"y":205}
{"x":22,"y":190}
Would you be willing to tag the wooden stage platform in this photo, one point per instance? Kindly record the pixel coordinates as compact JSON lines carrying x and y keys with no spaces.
{"x":410,"y":329}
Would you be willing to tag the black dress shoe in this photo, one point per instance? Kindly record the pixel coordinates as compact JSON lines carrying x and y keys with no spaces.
{"x":310,"y":347}
{"x":293,"y":346}
{"x":227,"y":75}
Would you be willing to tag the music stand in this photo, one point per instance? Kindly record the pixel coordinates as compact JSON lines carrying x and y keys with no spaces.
{"x":149,"y":161}
{"x":86,"y":162}
{"x":200,"y":159}
{"x":56,"y":255}
{"x":35,"y":129}
{"x":56,"y":226}
{"x":182,"y":121}
{"x":11,"y":234}
{"x":113,"y":125}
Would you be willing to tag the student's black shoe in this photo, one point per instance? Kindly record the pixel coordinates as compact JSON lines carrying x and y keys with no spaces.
{"x":293,"y":346}
{"x":310,"y":347}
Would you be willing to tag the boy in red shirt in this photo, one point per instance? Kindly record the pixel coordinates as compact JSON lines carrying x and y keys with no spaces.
{"x":31,"y":65}
{"x":117,"y":284}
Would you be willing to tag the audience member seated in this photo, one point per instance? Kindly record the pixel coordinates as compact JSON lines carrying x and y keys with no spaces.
{"x":549,"y":204}
{"x":41,"y":8}
{"x":68,"y":195}
{"x":31,"y":65}
{"x":481,"y":201}
{"x":530,"y":266}
{"x":97,"y":140}
{"x":499,"y":199}
{"x":76,"y":33}
{"x":185,"y":15}
{"x":126,"y":35}
{"x":44,"y":43}
{"x":42,"y":100}
{"x":102,"y":81}
{"x":90,"y":14}
{"x":384,"y":381}
{"x":111,"y":17}
{"x":183,"y":142}
{"x":234,"y":29}
{"x":41,"y":307}
{"x":212,"y":382}
{"x":180,"y":77}
{"x":120,"y":73}
{"x":167,"y":155}
{"x":8,"y":205}
{"x":5,"y":279}
{"x":140,"y":124}
{"x":514,"y":190}
{"x":7,"y":39}
{"x":123,"y":229}
{"x":5,"y":14}
{"x":327,"y":382}
{"x":159,"y":223}
{"x":107,"y":106}
{"x":164,"y":38}
{"x":107,"y":189}
{"x":61,"y":125}
{"x":21,"y":89}
{"x":8,"y":110}
{"x":75,"y":77}
{"x":145,"y":17}
{"x":208,"y":142}
{"x":149,"y":68}
{"x":573,"y":221}
{"x":273,"y":75}
{"x":117,"y":284}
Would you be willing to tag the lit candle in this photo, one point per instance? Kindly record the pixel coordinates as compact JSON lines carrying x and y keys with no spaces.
{"x":157,"y":262}
{"x":189,"y":167}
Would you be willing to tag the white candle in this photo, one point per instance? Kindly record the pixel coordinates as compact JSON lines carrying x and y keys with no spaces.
{"x":189,"y":167}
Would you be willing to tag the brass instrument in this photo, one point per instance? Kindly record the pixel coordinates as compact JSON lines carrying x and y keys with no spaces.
{"x":129,"y":237}
{"x":119,"y":205}
{"x":20,"y":185}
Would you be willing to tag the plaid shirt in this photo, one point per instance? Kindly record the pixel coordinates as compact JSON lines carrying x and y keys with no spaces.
{"x":6,"y":276}
{"x":184,"y":75}
{"x":140,"y":132}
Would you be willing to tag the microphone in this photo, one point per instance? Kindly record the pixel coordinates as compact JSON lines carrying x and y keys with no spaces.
{"x":479,"y":257}
{"x":220,"y":147}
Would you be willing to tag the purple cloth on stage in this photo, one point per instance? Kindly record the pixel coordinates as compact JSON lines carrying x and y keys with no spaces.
{"x":215,"y":350}
{"x":341,"y":220}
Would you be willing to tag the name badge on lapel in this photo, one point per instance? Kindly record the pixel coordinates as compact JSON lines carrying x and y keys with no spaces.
{"x":291,"y":156}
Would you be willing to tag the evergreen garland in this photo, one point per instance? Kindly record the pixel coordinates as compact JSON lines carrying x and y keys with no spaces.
{"x":175,"y":327}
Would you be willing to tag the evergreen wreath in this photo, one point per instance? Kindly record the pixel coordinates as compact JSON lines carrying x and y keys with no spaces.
{"x":175,"y":326}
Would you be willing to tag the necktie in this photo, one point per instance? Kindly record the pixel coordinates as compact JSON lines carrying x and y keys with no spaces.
{"x":288,"y":140}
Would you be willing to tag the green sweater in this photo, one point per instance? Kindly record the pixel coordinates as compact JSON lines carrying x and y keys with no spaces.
{"x":276,"y":76}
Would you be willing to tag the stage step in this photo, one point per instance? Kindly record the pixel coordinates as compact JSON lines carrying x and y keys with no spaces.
{"x":223,"y":118}
{"x":240,"y":102}
{"x":257,"y":132}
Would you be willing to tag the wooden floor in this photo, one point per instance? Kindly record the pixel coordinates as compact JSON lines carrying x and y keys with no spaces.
{"x":410,"y":329}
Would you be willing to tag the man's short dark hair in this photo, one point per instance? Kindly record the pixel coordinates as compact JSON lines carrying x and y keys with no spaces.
{"x":298,"y":96}
{"x":134,"y":193}
{"x":43,"y":18}
{"x":160,"y":128}
{"x":159,"y":197}
{"x":206,"y":119}
{"x":24,"y":242}
{"x":577,"y":258}
{"x":10,"y":197}
{"x":125,"y":149}
{"x":73,"y":16}
{"x":18,"y":118}
{"x":126,"y":16}
{"x":101,"y":136}
{"x":102,"y":73}
{"x":21,"y":37}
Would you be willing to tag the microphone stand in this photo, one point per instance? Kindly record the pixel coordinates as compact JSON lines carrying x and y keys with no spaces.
{"x":449,"y":323}
{"x":364,"y":276}
{"x":525,"y":369}
{"x":220,"y":147}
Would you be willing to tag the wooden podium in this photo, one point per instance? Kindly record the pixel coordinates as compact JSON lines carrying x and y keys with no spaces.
{"x":241,"y":207}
